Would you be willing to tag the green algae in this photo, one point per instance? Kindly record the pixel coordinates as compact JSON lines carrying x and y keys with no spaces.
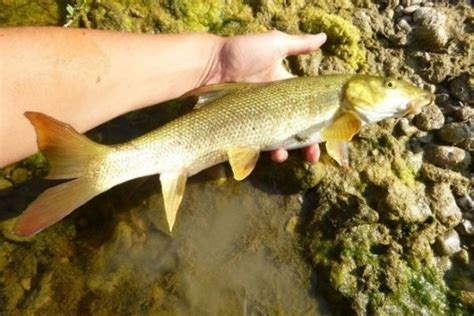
{"x":343,"y":37}
{"x":37,"y":12}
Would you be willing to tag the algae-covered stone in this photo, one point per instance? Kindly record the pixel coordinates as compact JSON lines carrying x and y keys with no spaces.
{"x":20,"y":175}
{"x":444,"y":205}
{"x":343,"y":36}
{"x":404,"y":204}
{"x":4,"y":183}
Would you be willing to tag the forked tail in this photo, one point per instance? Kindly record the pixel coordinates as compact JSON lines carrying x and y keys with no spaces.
{"x":70,"y":155}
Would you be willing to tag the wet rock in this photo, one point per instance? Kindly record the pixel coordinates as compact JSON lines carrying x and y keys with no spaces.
{"x":448,"y":244}
{"x":465,"y":113}
{"x":403,"y":204}
{"x":462,"y":89}
{"x":430,"y":118}
{"x":444,"y":205}
{"x":448,"y":157}
{"x":430,"y":30}
{"x":455,"y":132}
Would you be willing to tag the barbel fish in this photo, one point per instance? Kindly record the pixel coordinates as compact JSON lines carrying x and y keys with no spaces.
{"x":233,"y":122}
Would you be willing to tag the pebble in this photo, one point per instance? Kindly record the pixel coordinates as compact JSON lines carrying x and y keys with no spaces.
{"x":465,"y":113}
{"x":448,"y":157}
{"x":424,"y":137}
{"x":467,"y":227}
{"x":467,"y":205}
{"x":404,"y":25}
{"x":406,"y":127}
{"x":411,"y":9}
{"x":430,"y":118}
{"x":460,"y":88}
{"x":454,"y":133}
{"x":430,"y":31}
{"x":449,"y":243}
{"x":444,"y":205}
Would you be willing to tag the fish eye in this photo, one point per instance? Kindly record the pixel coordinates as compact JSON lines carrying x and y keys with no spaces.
{"x":389,"y":84}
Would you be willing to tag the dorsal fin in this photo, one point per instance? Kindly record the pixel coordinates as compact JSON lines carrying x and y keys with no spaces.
{"x":212,"y":92}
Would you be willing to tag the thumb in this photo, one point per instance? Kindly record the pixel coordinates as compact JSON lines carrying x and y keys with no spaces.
{"x":303,"y":44}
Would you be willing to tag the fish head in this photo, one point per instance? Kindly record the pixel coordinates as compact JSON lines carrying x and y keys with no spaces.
{"x":376,"y":98}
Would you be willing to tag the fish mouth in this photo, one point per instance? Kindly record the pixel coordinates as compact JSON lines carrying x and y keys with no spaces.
{"x":415,"y":105}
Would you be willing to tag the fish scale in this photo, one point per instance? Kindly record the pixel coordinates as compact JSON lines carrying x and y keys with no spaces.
{"x":257,"y":115}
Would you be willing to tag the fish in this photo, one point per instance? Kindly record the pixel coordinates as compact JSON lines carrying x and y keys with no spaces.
{"x":232,"y":122}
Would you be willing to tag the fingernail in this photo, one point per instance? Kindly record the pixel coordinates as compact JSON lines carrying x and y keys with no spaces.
{"x":279,"y":155}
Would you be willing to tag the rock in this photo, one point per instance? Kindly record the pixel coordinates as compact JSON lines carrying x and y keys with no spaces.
{"x":465,"y":113}
{"x":462,"y":89}
{"x":403,"y":204}
{"x":430,"y":30}
{"x":430,"y":118}
{"x":444,"y":205}
{"x":448,"y":157}
{"x":448,"y":244}
{"x":4,"y":183}
{"x":454,"y":133}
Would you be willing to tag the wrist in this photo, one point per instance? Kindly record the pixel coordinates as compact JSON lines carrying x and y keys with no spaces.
{"x":213,"y":72}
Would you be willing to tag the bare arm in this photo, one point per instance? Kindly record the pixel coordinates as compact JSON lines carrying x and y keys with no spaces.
{"x":87,"y":77}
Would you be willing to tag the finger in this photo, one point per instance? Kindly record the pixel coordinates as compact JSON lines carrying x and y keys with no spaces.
{"x":303,"y":44}
{"x":279,"y":155}
{"x":312,"y":153}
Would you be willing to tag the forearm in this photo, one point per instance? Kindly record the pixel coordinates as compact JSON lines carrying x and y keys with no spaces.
{"x":87,"y":77}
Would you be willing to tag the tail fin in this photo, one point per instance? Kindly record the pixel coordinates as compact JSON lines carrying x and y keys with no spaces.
{"x":68,"y":152}
{"x":69,"y":156}
{"x":53,"y":205}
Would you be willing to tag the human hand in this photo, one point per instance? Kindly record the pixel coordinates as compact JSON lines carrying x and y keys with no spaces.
{"x":258,"y":58}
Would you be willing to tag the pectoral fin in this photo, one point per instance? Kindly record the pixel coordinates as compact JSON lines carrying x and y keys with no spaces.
{"x":339,"y":151}
{"x":242,"y":161}
{"x":342,"y":128}
{"x":172,"y":187}
{"x":338,"y":134}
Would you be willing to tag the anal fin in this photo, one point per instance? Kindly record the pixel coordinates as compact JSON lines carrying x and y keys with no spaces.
{"x":172,"y":186}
